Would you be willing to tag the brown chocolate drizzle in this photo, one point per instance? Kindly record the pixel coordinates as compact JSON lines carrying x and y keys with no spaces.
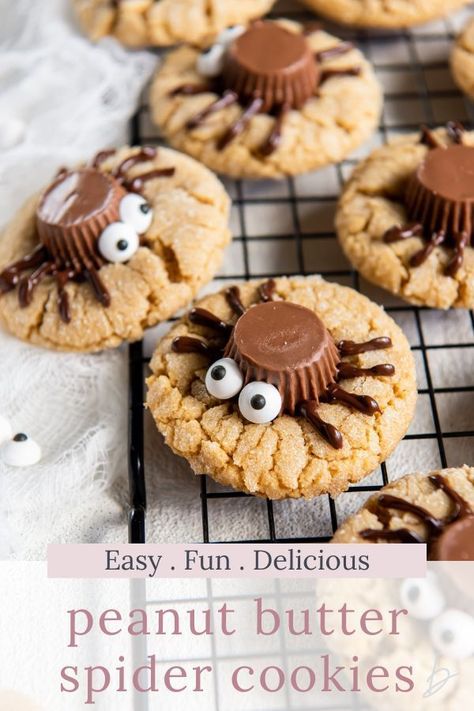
{"x":348,"y":348}
{"x":101,"y":157}
{"x":455,"y":131}
{"x":347,"y":370}
{"x":202,"y":317}
{"x":327,"y":431}
{"x":100,"y":290}
{"x":239,"y":126}
{"x":398,"y":232}
{"x":418,"y":258}
{"x":187,"y":344}
{"x":327,"y":74}
{"x":435,"y":527}
{"x":428,"y":138}
{"x":227,"y":99}
{"x":233,"y":299}
{"x":266,"y":290}
{"x":190,"y":90}
{"x":363,"y":403}
{"x":336,"y":51}
{"x":274,"y":139}
{"x":10,"y":276}
{"x":145,"y":154}
{"x":455,"y":263}
{"x":135,"y":185}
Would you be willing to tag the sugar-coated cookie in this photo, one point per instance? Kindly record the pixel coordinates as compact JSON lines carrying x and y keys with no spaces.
{"x":380,"y":13}
{"x":139,"y":23}
{"x":291,"y":387}
{"x":435,"y":508}
{"x":267,"y":101}
{"x":111,"y":248}
{"x":462,"y":59}
{"x":406,"y":218}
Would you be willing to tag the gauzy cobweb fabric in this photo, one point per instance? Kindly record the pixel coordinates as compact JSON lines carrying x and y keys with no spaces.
{"x":61,"y":100}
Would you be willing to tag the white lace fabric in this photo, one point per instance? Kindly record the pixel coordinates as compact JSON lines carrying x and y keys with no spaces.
{"x":61,"y":100}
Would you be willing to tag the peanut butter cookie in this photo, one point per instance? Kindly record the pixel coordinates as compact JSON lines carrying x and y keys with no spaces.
{"x":267,"y":101}
{"x":435,"y":508}
{"x":292,"y":387}
{"x":384,"y":13}
{"x":111,"y":248}
{"x":405,"y":218}
{"x":139,"y":23}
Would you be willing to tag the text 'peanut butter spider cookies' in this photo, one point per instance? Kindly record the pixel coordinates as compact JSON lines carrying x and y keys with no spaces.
{"x":394,"y":14}
{"x":436,"y":509}
{"x":248,"y":387}
{"x":406,"y":217}
{"x":267,"y":101}
{"x":139,"y":23}
{"x":111,"y":248}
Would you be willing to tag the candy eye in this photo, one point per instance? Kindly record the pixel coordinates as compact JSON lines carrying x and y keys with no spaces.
{"x":211,"y":62}
{"x":227,"y":36}
{"x":6,"y":431}
{"x":260,"y":402}
{"x":21,"y":451}
{"x":452,"y":634}
{"x":135,"y":211}
{"x":422,"y":597}
{"x":224,"y":379}
{"x":118,"y":242}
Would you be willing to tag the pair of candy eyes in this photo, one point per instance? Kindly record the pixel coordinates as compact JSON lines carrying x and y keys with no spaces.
{"x":259,"y":402}
{"x":211,"y":61}
{"x":119,"y":241}
{"x":17,"y":450}
{"x":451,"y":631}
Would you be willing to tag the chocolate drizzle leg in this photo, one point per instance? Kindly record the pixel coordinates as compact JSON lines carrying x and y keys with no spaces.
{"x":266,"y":290}
{"x":202,"y":317}
{"x":449,"y":538}
{"x":455,"y":131}
{"x":274,"y":139}
{"x":398,"y":232}
{"x":331,"y":434}
{"x":349,"y":348}
{"x":363,"y":403}
{"x":188,"y":344}
{"x":228,"y":98}
{"x":428,"y":138}
{"x":339,"y":49}
{"x":233,"y":299}
{"x":347,"y":370}
{"x":239,"y":126}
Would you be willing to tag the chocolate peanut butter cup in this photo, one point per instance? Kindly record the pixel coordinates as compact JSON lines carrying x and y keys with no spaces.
{"x":273,"y":64}
{"x":288,"y":346}
{"x":75,"y":210}
{"x":440,"y":194}
{"x":456,"y":542}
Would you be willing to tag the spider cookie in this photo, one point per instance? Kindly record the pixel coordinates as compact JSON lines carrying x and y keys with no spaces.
{"x":462,"y":60}
{"x":436,"y":508}
{"x":405,"y":218}
{"x":139,"y":23}
{"x":382,"y":14}
{"x":267,"y":101}
{"x":111,"y":248}
{"x":284,"y":388}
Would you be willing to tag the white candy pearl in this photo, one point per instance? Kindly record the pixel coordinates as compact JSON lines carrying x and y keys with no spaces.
{"x":452,"y":634}
{"x":21,"y":453}
{"x":271,"y":407}
{"x":229,"y":382}
{"x":6,"y":431}
{"x":211,"y":62}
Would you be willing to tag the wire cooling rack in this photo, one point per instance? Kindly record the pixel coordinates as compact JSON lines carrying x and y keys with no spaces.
{"x":286,"y":228}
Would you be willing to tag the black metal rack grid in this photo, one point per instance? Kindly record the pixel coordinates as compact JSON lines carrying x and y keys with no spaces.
{"x":413,"y":67}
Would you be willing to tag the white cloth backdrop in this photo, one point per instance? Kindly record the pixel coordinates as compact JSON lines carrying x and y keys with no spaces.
{"x":61,"y":100}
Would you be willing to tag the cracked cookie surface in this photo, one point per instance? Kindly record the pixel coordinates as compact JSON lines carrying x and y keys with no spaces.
{"x":371,"y":203}
{"x":341,"y":115}
{"x":384,"y":13}
{"x":181,"y":251}
{"x":139,"y":23}
{"x":416,"y":489}
{"x":287,"y":457}
{"x":462,"y":60}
